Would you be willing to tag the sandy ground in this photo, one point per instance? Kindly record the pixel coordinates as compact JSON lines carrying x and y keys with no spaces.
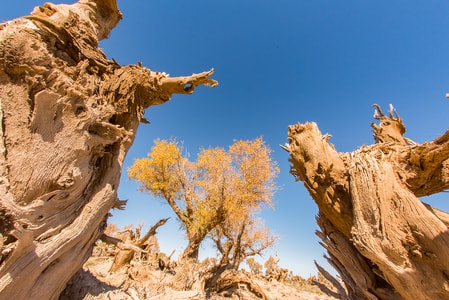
{"x":146,"y":282}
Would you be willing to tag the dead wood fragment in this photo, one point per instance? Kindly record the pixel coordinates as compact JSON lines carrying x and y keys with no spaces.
{"x":230,"y":280}
{"x":128,"y":249}
{"x":341,"y":294}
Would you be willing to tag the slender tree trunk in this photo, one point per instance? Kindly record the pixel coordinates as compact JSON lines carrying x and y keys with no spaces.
{"x":384,"y":242}
{"x":196,"y":237}
{"x":191,"y":252}
{"x":68,"y":116}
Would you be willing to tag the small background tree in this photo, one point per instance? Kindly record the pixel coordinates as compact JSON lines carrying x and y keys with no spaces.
{"x":216,"y":196}
{"x":254,"y":266}
{"x":219,"y":192}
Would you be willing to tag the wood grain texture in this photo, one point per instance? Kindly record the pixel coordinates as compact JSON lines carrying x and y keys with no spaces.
{"x":68,"y":117}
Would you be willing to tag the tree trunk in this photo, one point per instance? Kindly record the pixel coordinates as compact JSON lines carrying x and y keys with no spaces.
{"x":125,"y":255}
{"x":68,"y":116}
{"x":384,"y":242}
{"x":191,"y":252}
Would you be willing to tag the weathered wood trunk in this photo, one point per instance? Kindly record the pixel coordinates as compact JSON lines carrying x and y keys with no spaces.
{"x":126,"y":254}
{"x":68,"y":116}
{"x":384,"y":242}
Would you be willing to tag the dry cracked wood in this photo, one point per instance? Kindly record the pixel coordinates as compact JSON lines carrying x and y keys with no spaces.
{"x":381,"y":238}
{"x":68,"y":116}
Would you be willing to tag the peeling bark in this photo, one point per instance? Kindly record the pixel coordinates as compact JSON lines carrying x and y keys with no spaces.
{"x":384,"y":242}
{"x":68,"y":116}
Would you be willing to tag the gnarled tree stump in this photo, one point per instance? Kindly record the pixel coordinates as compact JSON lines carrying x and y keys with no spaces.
{"x":68,"y":116}
{"x":384,"y":242}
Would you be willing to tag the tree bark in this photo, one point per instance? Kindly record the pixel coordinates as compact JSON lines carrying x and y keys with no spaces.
{"x":192,"y":250}
{"x":384,"y":242}
{"x":68,"y":116}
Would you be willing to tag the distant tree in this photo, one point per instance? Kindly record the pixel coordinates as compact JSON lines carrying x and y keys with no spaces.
{"x":239,"y":237}
{"x":254,"y":266}
{"x":240,"y":234}
{"x":271,"y":266}
{"x":217,"y":195}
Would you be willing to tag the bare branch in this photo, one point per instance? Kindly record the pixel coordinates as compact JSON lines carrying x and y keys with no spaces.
{"x":120,"y":244}
{"x":151,"y":232}
{"x":185,"y":84}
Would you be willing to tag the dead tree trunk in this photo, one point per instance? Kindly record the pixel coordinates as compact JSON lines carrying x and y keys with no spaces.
{"x":68,"y":116}
{"x":125,"y":254}
{"x":384,"y":242}
{"x":229,"y":281}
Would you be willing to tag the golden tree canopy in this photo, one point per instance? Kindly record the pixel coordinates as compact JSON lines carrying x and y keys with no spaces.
{"x":221,"y":186}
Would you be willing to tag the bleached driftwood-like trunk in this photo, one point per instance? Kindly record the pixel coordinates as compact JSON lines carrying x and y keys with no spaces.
{"x":68,"y":116}
{"x":384,"y":242}
{"x":125,"y":254}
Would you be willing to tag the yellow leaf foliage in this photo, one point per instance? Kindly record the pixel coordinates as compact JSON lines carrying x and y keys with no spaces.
{"x":158,"y":174}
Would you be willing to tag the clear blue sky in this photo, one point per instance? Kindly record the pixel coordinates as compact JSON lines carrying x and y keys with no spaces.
{"x":279,"y":62}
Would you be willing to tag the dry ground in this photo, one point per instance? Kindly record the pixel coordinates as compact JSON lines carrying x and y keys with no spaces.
{"x":144,"y":281}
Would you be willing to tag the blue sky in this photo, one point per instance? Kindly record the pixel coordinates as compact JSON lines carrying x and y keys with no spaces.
{"x":278,"y":63}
